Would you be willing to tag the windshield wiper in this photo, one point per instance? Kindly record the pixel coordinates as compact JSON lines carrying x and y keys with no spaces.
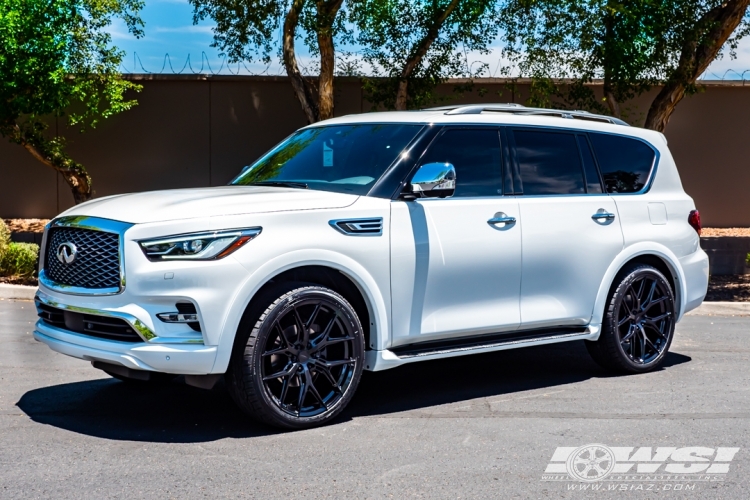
{"x":290,"y":184}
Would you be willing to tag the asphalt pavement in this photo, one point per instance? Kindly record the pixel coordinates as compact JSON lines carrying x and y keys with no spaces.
{"x":483,"y":426}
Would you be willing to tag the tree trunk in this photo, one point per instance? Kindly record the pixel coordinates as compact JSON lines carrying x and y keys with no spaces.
{"x":698,"y":52}
{"x":304,"y":90}
{"x":327,"y":12}
{"x":416,"y":57}
{"x":51,"y":154}
{"x":609,"y":95}
{"x":614,"y":106}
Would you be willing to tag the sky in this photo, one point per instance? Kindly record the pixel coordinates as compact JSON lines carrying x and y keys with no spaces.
{"x":170,"y":30}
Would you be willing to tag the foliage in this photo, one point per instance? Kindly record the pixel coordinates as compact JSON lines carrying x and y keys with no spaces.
{"x":56,"y":58}
{"x":632,"y":45}
{"x":247,"y":30}
{"x":19,"y":260}
{"x":417,"y":44}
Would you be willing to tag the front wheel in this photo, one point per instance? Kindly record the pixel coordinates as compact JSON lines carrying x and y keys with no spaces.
{"x":299,"y":365}
{"x":638,"y":324}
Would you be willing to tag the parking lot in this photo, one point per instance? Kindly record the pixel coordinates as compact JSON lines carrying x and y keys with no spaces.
{"x":473,"y":427}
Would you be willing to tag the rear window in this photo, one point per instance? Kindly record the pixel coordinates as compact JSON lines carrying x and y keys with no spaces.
{"x":625,"y":163}
{"x":549,"y":162}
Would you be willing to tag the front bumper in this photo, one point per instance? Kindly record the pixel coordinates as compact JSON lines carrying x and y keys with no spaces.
{"x":164,"y":347}
{"x":184,"y":359}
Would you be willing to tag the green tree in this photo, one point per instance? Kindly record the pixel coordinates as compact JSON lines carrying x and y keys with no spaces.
{"x":413,"y":45}
{"x":632,"y":45}
{"x":246,"y":30}
{"x":56,"y":59}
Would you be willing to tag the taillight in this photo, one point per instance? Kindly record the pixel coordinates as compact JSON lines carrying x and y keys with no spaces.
{"x":694,"y":219}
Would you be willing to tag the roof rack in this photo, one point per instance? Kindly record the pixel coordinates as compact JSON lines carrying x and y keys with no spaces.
{"x":518,"y":109}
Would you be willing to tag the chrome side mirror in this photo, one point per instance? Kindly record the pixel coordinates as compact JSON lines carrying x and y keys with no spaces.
{"x":434,"y":180}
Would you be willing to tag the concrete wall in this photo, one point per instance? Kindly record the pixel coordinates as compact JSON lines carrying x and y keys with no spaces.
{"x":199,"y":131}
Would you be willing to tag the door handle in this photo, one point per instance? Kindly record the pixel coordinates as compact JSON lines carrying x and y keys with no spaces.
{"x":501,"y":219}
{"x":602,"y":214}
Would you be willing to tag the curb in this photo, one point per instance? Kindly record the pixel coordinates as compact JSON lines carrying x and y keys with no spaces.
{"x":721,"y":309}
{"x":17,"y":292}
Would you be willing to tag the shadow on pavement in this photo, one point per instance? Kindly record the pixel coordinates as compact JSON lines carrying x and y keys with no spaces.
{"x":174,"y":412}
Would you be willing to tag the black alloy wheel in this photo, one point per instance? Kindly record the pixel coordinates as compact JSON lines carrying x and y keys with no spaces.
{"x":639,"y":322}
{"x":301,"y":362}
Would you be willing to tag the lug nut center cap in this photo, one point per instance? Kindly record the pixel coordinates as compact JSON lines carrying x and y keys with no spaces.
{"x":303,"y":357}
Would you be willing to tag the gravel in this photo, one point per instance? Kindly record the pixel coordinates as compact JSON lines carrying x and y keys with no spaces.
{"x":713,"y":232}
{"x":26,"y":225}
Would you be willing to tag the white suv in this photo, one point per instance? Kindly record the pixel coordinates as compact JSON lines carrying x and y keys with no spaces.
{"x":370,"y":241}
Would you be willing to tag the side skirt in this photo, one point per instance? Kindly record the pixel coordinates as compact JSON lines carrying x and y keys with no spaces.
{"x":383,"y":360}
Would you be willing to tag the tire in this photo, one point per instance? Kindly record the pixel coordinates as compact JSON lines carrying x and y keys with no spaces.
{"x":638,"y":324}
{"x":309,"y":336}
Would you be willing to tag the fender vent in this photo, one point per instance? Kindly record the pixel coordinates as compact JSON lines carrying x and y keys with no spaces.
{"x":359,"y":227}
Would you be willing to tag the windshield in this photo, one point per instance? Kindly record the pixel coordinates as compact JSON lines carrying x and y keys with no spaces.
{"x":342,"y":158}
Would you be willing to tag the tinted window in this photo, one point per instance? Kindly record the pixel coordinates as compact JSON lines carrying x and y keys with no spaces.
{"x":625,"y":163}
{"x":345,"y":158}
{"x":548,"y":162}
{"x":475,"y":153}
{"x":593,"y":183}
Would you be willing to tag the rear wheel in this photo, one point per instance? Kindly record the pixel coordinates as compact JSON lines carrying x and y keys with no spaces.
{"x":301,"y":362}
{"x":639,"y":322}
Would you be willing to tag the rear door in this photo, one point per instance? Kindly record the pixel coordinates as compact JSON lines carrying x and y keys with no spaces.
{"x":571,"y":230}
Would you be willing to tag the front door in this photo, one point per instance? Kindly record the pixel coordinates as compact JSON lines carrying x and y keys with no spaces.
{"x":571,"y":230}
{"x":454,"y":271}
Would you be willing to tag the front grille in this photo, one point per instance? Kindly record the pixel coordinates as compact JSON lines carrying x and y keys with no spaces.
{"x":97,"y":260}
{"x":103,"y":327}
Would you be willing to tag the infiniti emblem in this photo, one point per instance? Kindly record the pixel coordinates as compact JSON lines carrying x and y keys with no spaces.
{"x":66,"y":253}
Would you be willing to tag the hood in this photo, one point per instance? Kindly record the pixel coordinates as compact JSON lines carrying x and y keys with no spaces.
{"x":158,"y":206}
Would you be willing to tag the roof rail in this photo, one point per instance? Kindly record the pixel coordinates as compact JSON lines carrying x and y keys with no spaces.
{"x":517,"y":109}
{"x":452,"y":107}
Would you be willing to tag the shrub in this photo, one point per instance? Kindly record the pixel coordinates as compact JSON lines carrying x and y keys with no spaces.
{"x":4,"y":238}
{"x":19,"y":259}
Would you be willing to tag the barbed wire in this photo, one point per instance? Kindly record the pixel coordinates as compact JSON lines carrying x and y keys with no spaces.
{"x":705,"y":76}
{"x":187,"y":67}
{"x":237,"y":68}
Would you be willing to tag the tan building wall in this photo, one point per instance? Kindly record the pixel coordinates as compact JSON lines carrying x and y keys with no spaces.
{"x":198,"y":131}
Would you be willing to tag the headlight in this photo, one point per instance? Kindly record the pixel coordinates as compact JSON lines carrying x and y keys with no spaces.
{"x":198,"y":246}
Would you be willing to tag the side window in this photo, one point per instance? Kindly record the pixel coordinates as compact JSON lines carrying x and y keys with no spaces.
{"x":475,"y":153}
{"x":593,"y":183}
{"x":625,"y":163}
{"x":548,"y":162}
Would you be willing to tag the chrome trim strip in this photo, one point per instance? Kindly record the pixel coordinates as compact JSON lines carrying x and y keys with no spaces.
{"x":140,"y":328}
{"x":75,"y":290}
{"x":518,"y":342}
{"x":358,"y":227}
{"x":95,"y":224}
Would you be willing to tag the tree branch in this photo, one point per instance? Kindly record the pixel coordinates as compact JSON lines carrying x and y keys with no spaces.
{"x":51,"y":154}
{"x":419,"y":52}
{"x":698,"y":51}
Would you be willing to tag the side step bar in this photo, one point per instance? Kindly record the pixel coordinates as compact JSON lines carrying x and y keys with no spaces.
{"x":493,"y":340}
